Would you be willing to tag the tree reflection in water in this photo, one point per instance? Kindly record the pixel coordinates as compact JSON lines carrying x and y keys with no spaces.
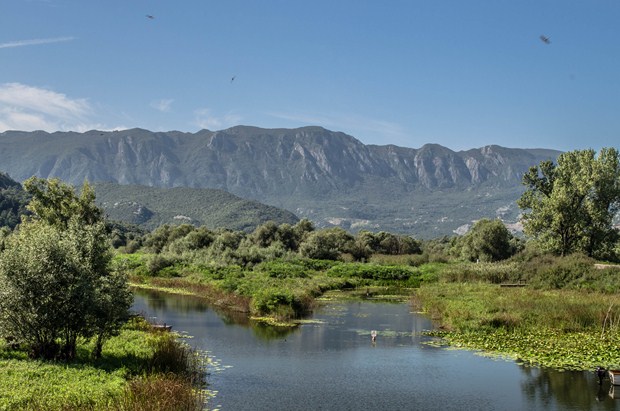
{"x":159,"y":301}
{"x":568,"y":389}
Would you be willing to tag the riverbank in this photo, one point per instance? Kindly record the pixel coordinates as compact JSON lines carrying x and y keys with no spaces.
{"x":141,"y":368}
{"x":279,"y":291}
{"x":560,"y":329}
{"x":572,"y":327}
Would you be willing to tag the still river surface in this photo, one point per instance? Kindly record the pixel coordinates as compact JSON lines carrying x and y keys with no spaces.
{"x":330,"y":363}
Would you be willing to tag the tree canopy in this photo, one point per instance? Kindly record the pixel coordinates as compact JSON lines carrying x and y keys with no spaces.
{"x":488,"y":240}
{"x":570,"y":206}
{"x":55,"y":283}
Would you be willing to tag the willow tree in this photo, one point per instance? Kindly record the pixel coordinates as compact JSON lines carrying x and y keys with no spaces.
{"x":55,"y":284}
{"x":570,"y":206}
{"x":488,"y":240}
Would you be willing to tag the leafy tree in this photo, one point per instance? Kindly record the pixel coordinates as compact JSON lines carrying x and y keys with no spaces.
{"x":570,"y":206}
{"x":13,"y":201}
{"x":56,"y":202}
{"x":384,"y":243}
{"x":326,"y":244}
{"x":165,"y":235}
{"x":488,"y":240}
{"x":288,"y":237}
{"x":196,"y":239}
{"x":55,"y":285}
{"x":122,"y":234}
{"x":265,"y":234}
{"x":303,"y":228}
{"x":363,"y":245}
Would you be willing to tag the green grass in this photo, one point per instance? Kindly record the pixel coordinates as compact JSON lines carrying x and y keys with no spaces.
{"x":562,"y":329}
{"x":35,"y":384}
{"x":131,"y":364}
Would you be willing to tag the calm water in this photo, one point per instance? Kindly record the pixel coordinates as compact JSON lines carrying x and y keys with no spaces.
{"x":331,"y":364}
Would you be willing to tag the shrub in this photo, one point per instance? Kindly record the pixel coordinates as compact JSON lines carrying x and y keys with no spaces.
{"x":381,"y":273}
{"x":282,"y":269}
{"x":281,"y":303}
{"x":157,"y":262}
{"x":555,"y":272}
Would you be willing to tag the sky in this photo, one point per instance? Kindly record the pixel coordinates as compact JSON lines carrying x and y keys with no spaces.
{"x":460,"y":73}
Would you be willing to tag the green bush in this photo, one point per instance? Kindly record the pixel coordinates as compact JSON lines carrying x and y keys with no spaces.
{"x":157,"y":262}
{"x":282,"y":269}
{"x":268,"y":300}
{"x":554,"y":272}
{"x":371,"y":272}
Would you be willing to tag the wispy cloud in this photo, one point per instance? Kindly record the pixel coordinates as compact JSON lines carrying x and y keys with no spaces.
{"x":28,"y":108}
{"x":204,"y":118}
{"x":352,"y":124}
{"x":34,"y":42}
{"x":163,"y":105}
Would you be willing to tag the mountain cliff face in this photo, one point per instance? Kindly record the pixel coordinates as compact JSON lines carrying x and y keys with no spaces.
{"x":328,"y":176}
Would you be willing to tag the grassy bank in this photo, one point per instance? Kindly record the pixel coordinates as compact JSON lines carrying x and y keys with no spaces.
{"x":562,"y":329}
{"x":566,"y":315}
{"x":139,"y":369}
{"x":279,"y":290}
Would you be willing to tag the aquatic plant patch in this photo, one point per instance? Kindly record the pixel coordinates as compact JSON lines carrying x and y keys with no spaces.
{"x":542,"y":347}
{"x":560,"y":329}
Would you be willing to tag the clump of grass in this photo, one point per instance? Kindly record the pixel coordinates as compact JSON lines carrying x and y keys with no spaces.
{"x":173,"y":356}
{"x":495,"y":273}
{"x":161,"y":392}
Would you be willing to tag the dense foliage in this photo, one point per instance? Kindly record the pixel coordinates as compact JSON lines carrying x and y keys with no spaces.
{"x":570,"y":206}
{"x":488,"y":240}
{"x":55,"y":285}
{"x":13,"y":201}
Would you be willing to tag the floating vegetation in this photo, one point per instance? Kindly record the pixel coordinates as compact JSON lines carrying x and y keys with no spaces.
{"x":275,"y":322}
{"x":311,"y":321}
{"x":577,"y":351}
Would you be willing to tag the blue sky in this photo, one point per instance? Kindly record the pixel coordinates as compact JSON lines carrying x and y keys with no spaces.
{"x":463,"y":74}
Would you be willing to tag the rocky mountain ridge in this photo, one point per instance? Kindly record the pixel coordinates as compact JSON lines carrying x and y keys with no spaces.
{"x":327,"y":176}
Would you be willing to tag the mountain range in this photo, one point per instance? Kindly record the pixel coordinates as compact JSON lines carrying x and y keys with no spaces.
{"x":329,"y":177}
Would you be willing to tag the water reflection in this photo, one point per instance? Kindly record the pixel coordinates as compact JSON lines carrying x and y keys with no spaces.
{"x":160,"y":302}
{"x":569,"y":389}
{"x":331,"y":363}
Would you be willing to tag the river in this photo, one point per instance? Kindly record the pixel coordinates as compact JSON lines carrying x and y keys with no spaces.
{"x":330,"y":363}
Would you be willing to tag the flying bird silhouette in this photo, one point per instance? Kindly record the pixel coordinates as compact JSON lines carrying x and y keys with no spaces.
{"x":233,"y":78}
{"x":545,"y":39}
{"x":149,"y":16}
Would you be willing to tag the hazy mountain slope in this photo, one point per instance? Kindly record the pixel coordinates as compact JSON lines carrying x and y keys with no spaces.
{"x":327,"y":176}
{"x":151,"y":207}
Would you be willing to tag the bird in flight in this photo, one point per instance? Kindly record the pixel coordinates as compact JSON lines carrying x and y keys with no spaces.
{"x":233,"y":78}
{"x":545,"y":39}
{"x":149,"y":16}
